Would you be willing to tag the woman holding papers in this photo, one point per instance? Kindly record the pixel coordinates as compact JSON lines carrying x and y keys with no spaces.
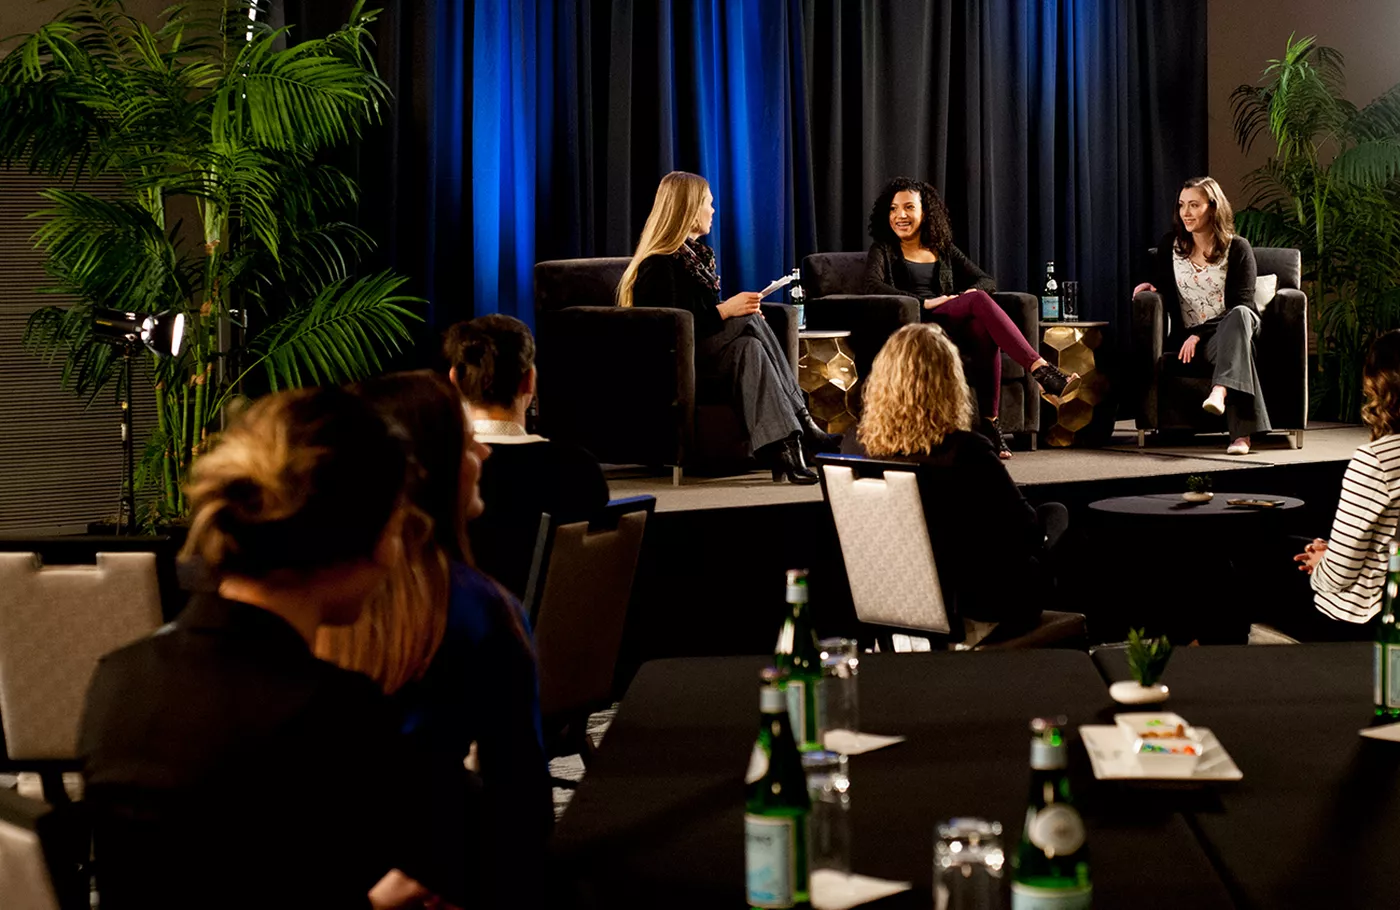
{"x":673,"y":268}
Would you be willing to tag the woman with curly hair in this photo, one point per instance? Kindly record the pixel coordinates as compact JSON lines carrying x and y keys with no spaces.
{"x":673,"y":268}
{"x":1348,"y":572}
{"x":918,"y":408}
{"x":913,"y":254}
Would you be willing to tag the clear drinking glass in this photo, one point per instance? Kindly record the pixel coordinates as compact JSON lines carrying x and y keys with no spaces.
{"x":840,"y":670}
{"x":1070,"y":311}
{"x":829,"y":826}
{"x":967,"y":865}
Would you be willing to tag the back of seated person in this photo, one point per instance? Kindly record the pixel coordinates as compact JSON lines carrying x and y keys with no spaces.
{"x":226,"y":765}
{"x":493,"y":363}
{"x":986,"y":538}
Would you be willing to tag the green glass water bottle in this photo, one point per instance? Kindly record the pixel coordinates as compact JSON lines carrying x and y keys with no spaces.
{"x":800,"y":658}
{"x":1051,"y":869}
{"x":1388,"y":646}
{"x":775,"y":817}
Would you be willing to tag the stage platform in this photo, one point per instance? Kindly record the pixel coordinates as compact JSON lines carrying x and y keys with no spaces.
{"x":1120,"y":460}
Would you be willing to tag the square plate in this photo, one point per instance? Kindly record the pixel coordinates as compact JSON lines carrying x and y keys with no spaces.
{"x":1112,"y":757}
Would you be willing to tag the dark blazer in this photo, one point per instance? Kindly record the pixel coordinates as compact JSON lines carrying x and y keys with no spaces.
{"x":519,"y":482}
{"x":885,"y":272}
{"x":1240,"y":272}
{"x":228,"y":767}
{"x":663,"y":281}
{"x":986,"y":539}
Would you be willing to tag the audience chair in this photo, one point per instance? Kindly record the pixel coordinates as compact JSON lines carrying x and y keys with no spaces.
{"x":577,"y":598}
{"x":55,"y":622}
{"x":42,"y":850}
{"x":1169,"y":393}
{"x":893,"y":572}
{"x":836,"y":299}
{"x":621,"y":382}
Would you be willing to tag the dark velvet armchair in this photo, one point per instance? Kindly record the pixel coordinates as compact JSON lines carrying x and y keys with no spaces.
{"x":836,"y":299}
{"x":621,"y":382}
{"x":1170,"y":393}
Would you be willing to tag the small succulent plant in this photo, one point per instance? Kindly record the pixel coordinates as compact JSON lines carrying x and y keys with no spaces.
{"x":1198,"y":483}
{"x":1147,"y":657}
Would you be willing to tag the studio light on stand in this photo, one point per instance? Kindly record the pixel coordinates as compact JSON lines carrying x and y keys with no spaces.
{"x":162,"y":334}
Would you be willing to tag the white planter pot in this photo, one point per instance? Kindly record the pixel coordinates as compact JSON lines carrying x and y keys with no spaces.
{"x":1198,"y":497}
{"x":1130,"y":692}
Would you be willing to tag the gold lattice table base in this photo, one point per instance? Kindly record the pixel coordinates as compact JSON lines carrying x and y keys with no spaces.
{"x":827,"y":373}
{"x":1071,"y":347}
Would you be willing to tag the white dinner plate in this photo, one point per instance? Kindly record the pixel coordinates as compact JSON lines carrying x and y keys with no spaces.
{"x":1112,"y":757}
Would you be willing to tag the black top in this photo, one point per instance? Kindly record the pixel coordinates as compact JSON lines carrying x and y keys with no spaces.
{"x":228,"y":767}
{"x":1240,"y":272}
{"x":922,"y":275}
{"x":984,"y":533}
{"x":886,"y":272}
{"x":519,"y":482}
{"x":664,"y":281}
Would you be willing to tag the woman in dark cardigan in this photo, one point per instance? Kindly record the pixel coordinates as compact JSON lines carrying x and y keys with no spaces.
{"x":913,"y":254}
{"x":1205,"y":273}
{"x":672,"y":268}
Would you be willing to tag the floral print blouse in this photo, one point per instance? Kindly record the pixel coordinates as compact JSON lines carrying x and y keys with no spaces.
{"x":1202,"y":289}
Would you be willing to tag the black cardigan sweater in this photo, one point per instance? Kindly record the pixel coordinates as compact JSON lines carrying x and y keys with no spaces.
{"x":885,"y":272}
{"x":663,"y":281}
{"x":1240,"y":272}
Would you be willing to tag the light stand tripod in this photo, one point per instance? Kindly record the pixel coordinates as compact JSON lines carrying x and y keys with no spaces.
{"x":127,"y":506}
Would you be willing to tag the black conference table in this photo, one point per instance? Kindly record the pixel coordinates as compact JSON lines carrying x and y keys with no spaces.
{"x":1317,"y":815}
{"x":658,"y":818}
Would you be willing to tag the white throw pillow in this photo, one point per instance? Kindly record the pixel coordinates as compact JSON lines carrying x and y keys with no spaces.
{"x":1265,"y":287}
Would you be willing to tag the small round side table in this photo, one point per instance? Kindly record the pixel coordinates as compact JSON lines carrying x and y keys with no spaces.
{"x":1070,"y":345}
{"x":826,"y":371}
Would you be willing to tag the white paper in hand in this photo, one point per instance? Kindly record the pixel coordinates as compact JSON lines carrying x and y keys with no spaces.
{"x":780,"y":283}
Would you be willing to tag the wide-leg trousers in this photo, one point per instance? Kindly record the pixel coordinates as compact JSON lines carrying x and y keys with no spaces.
{"x":747,"y":354}
{"x":1230,"y":349}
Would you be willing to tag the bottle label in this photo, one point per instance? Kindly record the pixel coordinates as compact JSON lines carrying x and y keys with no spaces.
{"x":770,"y":858}
{"x":1392,"y":676}
{"x":1049,"y":307}
{"x":1057,"y":829}
{"x":1029,"y":897}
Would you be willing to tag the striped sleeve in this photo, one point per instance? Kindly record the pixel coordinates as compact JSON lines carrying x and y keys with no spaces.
{"x":1350,"y":577}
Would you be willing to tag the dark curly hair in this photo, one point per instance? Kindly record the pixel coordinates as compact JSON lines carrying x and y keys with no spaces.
{"x":1381,"y":383}
{"x":934,"y":234}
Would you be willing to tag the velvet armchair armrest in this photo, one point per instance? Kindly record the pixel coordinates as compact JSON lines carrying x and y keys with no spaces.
{"x":870,"y":318}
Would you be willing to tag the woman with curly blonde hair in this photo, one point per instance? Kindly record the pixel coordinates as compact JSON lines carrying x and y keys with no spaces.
{"x":1348,"y":571}
{"x":917,"y":407}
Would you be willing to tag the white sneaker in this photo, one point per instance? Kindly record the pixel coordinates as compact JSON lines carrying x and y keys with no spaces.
{"x":1215,"y":404}
{"x":1238,"y":447}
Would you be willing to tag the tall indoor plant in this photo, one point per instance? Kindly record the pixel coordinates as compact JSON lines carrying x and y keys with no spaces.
{"x":210,"y":128}
{"x":1332,"y":190}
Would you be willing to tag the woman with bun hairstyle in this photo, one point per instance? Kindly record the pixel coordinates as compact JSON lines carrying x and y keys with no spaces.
{"x":913,"y":254}
{"x":672,"y":267}
{"x":449,"y":644}
{"x":227,"y":766}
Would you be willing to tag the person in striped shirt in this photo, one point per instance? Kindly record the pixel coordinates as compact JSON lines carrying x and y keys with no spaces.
{"x":1348,"y":571}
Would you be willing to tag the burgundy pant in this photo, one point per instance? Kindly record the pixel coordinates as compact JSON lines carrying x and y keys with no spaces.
{"x":982,"y":330}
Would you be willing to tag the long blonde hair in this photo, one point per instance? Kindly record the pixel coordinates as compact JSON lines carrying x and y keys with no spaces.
{"x":672,"y":219}
{"x":1222,"y":219}
{"x":916,"y":394}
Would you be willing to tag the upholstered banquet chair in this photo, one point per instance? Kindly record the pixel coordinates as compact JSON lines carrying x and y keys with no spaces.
{"x":622,"y":382}
{"x":893,"y":570}
{"x":1169,"y":393}
{"x":836,"y":299}
{"x":43,"y":851}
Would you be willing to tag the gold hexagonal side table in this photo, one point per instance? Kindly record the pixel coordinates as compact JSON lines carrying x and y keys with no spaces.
{"x":826,"y":371}
{"x":1071,"y":346}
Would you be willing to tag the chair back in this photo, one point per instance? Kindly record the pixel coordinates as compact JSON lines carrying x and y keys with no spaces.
{"x":824,"y":274}
{"x":884,"y":539}
{"x":55,"y":622}
{"x":39,"y":868}
{"x":1286,"y":263}
{"x":564,"y":283}
{"x":577,"y":596}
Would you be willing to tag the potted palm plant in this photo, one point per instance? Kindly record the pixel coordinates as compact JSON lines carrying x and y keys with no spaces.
{"x":213,"y":113}
{"x":1332,"y":190}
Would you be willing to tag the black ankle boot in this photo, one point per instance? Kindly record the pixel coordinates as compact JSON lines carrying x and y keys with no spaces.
{"x":814,"y":437}
{"x":991,"y":428}
{"x":785,"y":459}
{"x":1054,"y":384}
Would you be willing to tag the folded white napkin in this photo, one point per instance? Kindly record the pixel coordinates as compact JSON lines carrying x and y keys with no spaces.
{"x":848,"y":743}
{"x":833,"y":891}
{"x":1389,"y":732}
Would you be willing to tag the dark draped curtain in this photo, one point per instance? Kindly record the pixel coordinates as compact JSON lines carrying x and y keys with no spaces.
{"x":526,"y":131}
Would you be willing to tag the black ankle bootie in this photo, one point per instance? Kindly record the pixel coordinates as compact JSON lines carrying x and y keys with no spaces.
{"x":814,"y":437}
{"x":785,"y":459}
{"x":1054,"y":384}
{"x":991,"y":428}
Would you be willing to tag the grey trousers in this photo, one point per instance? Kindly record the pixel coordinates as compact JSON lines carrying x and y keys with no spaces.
{"x":750,"y":358}
{"x":1231,"y":351}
